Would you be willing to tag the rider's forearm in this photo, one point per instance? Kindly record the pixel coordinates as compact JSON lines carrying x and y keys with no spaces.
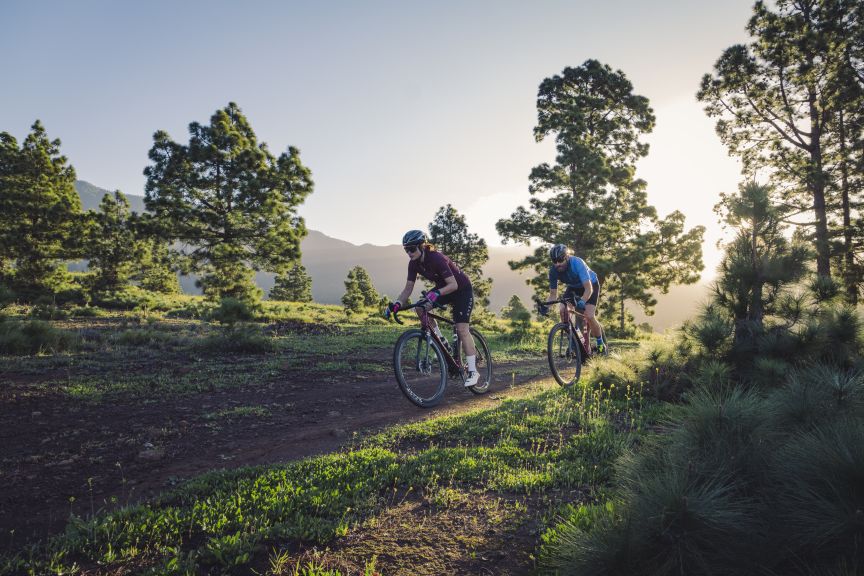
{"x":403,"y":297}
{"x":589,"y":289}
{"x":450,"y":287}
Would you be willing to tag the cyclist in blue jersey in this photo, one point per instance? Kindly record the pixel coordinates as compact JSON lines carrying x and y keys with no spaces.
{"x":583,"y":287}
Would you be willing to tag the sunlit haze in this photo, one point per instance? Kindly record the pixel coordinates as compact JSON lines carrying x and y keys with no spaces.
{"x":397,"y":107}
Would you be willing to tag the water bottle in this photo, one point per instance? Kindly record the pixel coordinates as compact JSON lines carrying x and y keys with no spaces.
{"x":456,"y":346}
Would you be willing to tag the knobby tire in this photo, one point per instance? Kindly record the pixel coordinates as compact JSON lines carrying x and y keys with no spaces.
{"x":565,"y":358}
{"x":420,"y":368}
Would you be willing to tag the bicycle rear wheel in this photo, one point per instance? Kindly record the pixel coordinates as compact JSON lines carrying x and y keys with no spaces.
{"x":565,"y":360}
{"x":420,"y":368}
{"x":484,"y":364}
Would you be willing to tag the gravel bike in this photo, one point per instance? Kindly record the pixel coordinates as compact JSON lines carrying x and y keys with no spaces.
{"x":569,"y":345}
{"x":423,"y":361}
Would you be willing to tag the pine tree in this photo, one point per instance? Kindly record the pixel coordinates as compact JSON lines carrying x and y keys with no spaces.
{"x":590,"y":199}
{"x":353,"y":297}
{"x":230,"y":200}
{"x":156,"y":270}
{"x":111,"y":244}
{"x":292,"y":285}
{"x":519,"y":316}
{"x":359,"y":291}
{"x":759,"y":263}
{"x":40,"y":213}
{"x":778,"y":102}
{"x":449,"y":233}
{"x":367,"y":289}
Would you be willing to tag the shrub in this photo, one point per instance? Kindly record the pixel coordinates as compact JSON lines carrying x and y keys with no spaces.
{"x":612,"y":375}
{"x":231,"y":310}
{"x":86,"y":312}
{"x":712,"y":329}
{"x":142,"y":337}
{"x":738,"y":484}
{"x":665,"y":369}
{"x":7,"y":296}
{"x":33,"y":337}
{"x":47,"y":312}
{"x":194,"y":309}
{"x":818,"y":494}
{"x":240,"y":339}
{"x":124,"y":298}
{"x":714,"y":375}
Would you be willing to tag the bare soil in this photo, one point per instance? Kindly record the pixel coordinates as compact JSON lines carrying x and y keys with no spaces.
{"x":60,"y":456}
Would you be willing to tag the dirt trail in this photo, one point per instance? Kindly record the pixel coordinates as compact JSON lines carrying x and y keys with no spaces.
{"x":59,"y":456}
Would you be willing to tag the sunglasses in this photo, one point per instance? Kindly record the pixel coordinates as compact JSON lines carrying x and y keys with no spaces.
{"x":561,"y":261}
{"x":410,"y":249}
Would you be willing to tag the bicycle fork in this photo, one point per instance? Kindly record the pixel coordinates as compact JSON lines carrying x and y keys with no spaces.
{"x":424,"y":366}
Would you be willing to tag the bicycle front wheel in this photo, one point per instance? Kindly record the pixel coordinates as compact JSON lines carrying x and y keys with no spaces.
{"x":420,"y":368}
{"x":484,"y":364}
{"x":564,"y":356}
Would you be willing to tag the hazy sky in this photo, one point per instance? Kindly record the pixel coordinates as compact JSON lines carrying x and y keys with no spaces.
{"x":397,"y":107}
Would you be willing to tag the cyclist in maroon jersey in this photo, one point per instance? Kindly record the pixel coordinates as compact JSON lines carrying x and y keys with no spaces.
{"x":452,"y":287}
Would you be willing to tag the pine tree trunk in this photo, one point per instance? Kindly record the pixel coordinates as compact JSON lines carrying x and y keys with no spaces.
{"x":849,"y":276}
{"x":622,"y":314}
{"x":816,"y":183}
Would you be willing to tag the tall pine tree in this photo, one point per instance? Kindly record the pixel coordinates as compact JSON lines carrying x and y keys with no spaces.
{"x":779,"y":101}
{"x":449,"y":232}
{"x":590,"y":199}
{"x":229,"y":200}
{"x":40,"y":213}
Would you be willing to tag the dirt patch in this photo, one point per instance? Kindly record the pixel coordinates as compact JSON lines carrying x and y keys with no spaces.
{"x":465,"y":533}
{"x":60,"y":456}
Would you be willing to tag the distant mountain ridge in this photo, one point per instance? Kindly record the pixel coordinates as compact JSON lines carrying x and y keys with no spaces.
{"x":92,"y":195}
{"x":328,"y":260}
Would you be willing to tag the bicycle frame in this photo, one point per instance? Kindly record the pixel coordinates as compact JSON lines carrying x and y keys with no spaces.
{"x":452,"y":359}
{"x":578,"y":327}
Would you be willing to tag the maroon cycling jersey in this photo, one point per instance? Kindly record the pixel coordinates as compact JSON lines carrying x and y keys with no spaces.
{"x":437,"y":267}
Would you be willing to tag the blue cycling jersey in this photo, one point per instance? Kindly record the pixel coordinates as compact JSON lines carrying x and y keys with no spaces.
{"x":575,"y":274}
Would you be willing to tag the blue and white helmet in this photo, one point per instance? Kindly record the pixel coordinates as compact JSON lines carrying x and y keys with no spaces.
{"x":558,"y":252}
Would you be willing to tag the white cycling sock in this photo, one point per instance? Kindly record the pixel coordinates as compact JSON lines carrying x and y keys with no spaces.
{"x":472,"y":363}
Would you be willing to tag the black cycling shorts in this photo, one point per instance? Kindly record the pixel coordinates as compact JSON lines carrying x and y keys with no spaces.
{"x":462,"y":303}
{"x":573,"y":291}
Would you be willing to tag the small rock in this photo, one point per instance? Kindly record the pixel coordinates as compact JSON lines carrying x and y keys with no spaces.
{"x":35,"y":414}
{"x":338,"y":432}
{"x":151,"y":455}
